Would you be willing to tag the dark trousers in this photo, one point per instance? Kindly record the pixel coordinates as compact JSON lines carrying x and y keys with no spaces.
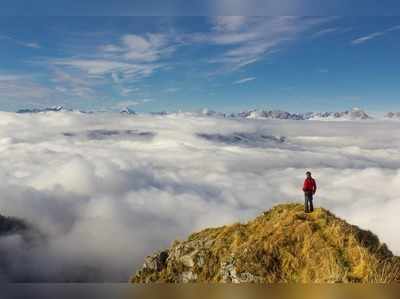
{"x":308,"y":204}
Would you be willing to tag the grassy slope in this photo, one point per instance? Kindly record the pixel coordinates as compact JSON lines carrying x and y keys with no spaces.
{"x":285,"y":245}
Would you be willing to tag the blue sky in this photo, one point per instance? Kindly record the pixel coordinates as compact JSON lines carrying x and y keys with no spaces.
{"x":223,"y":63}
{"x":199,"y":7}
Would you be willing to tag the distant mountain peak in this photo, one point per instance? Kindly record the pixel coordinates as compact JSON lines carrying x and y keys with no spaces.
{"x":393,"y":115}
{"x":210,"y":112}
{"x":128,"y":110}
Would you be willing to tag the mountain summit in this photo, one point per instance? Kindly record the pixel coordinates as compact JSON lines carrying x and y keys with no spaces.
{"x":282,"y":245}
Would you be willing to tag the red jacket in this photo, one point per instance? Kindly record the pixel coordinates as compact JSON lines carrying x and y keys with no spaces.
{"x":310,"y":185}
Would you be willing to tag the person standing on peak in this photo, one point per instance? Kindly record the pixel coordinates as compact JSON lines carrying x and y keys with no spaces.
{"x":309,"y":189}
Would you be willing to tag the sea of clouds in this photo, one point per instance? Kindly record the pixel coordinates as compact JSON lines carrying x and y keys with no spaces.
{"x":105,"y":189}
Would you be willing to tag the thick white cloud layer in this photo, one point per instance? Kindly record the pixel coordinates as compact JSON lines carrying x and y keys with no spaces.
{"x":107,"y":189}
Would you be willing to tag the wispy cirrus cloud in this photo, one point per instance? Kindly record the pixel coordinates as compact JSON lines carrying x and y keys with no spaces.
{"x":34,"y":90}
{"x":33,"y":45}
{"x":16,"y":87}
{"x":133,"y":56}
{"x":75,"y":84}
{"x":128,"y":90}
{"x":373,"y":35}
{"x":244,"y":80}
{"x":394,"y":28}
{"x":171,"y":89}
{"x":30,"y":45}
{"x":246,"y":40}
{"x":329,"y":31}
{"x":324,"y":32}
{"x":150,"y":47}
{"x":131,"y":103}
{"x":101,"y":67}
{"x":368,"y":37}
{"x":118,"y":64}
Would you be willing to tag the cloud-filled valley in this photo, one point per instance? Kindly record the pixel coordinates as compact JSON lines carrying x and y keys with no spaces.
{"x":106,"y":189}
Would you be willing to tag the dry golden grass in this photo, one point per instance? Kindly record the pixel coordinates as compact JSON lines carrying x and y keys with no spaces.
{"x":286,"y":245}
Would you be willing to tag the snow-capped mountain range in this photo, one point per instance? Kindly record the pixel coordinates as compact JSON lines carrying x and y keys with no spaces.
{"x":272,"y":114}
{"x":353,"y":114}
{"x":393,"y":115}
{"x":47,"y":109}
